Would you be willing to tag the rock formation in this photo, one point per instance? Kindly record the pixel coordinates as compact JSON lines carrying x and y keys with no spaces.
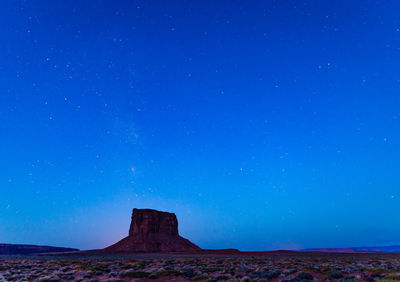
{"x":153,"y":231}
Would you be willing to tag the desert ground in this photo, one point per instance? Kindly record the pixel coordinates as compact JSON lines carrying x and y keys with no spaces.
{"x":294,"y":267}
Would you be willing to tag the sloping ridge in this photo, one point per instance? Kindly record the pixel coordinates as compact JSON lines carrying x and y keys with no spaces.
{"x":20,"y":249}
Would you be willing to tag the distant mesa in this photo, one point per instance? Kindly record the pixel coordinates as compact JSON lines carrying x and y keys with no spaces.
{"x":153,"y":231}
{"x":18,"y":249}
{"x":381,"y":249}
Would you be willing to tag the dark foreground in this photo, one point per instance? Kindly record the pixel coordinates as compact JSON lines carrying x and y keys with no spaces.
{"x":289,"y":267}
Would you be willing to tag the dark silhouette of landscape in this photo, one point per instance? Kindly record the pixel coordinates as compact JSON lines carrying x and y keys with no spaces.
{"x":153,"y":231}
{"x":154,"y":250}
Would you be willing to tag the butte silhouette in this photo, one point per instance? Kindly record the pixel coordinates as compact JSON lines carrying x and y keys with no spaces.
{"x":153,"y":231}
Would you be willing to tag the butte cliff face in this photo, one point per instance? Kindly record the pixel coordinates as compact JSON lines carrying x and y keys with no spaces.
{"x":153,"y":231}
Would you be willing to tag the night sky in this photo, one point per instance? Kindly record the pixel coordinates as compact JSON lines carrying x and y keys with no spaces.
{"x":262,"y":124}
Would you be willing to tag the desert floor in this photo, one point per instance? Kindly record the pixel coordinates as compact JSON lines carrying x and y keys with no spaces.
{"x":296,"y":267}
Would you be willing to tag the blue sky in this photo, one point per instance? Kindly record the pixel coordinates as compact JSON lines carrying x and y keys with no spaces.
{"x":262,"y":124}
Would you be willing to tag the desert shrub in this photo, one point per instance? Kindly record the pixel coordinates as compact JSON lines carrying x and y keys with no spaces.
{"x":168,"y":273}
{"x":377,"y":270}
{"x":391,"y":277}
{"x":136,"y":274}
{"x":128,"y":266}
{"x":201,"y":277}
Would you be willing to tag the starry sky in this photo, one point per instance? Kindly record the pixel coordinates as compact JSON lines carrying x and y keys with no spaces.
{"x":262,"y":124}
